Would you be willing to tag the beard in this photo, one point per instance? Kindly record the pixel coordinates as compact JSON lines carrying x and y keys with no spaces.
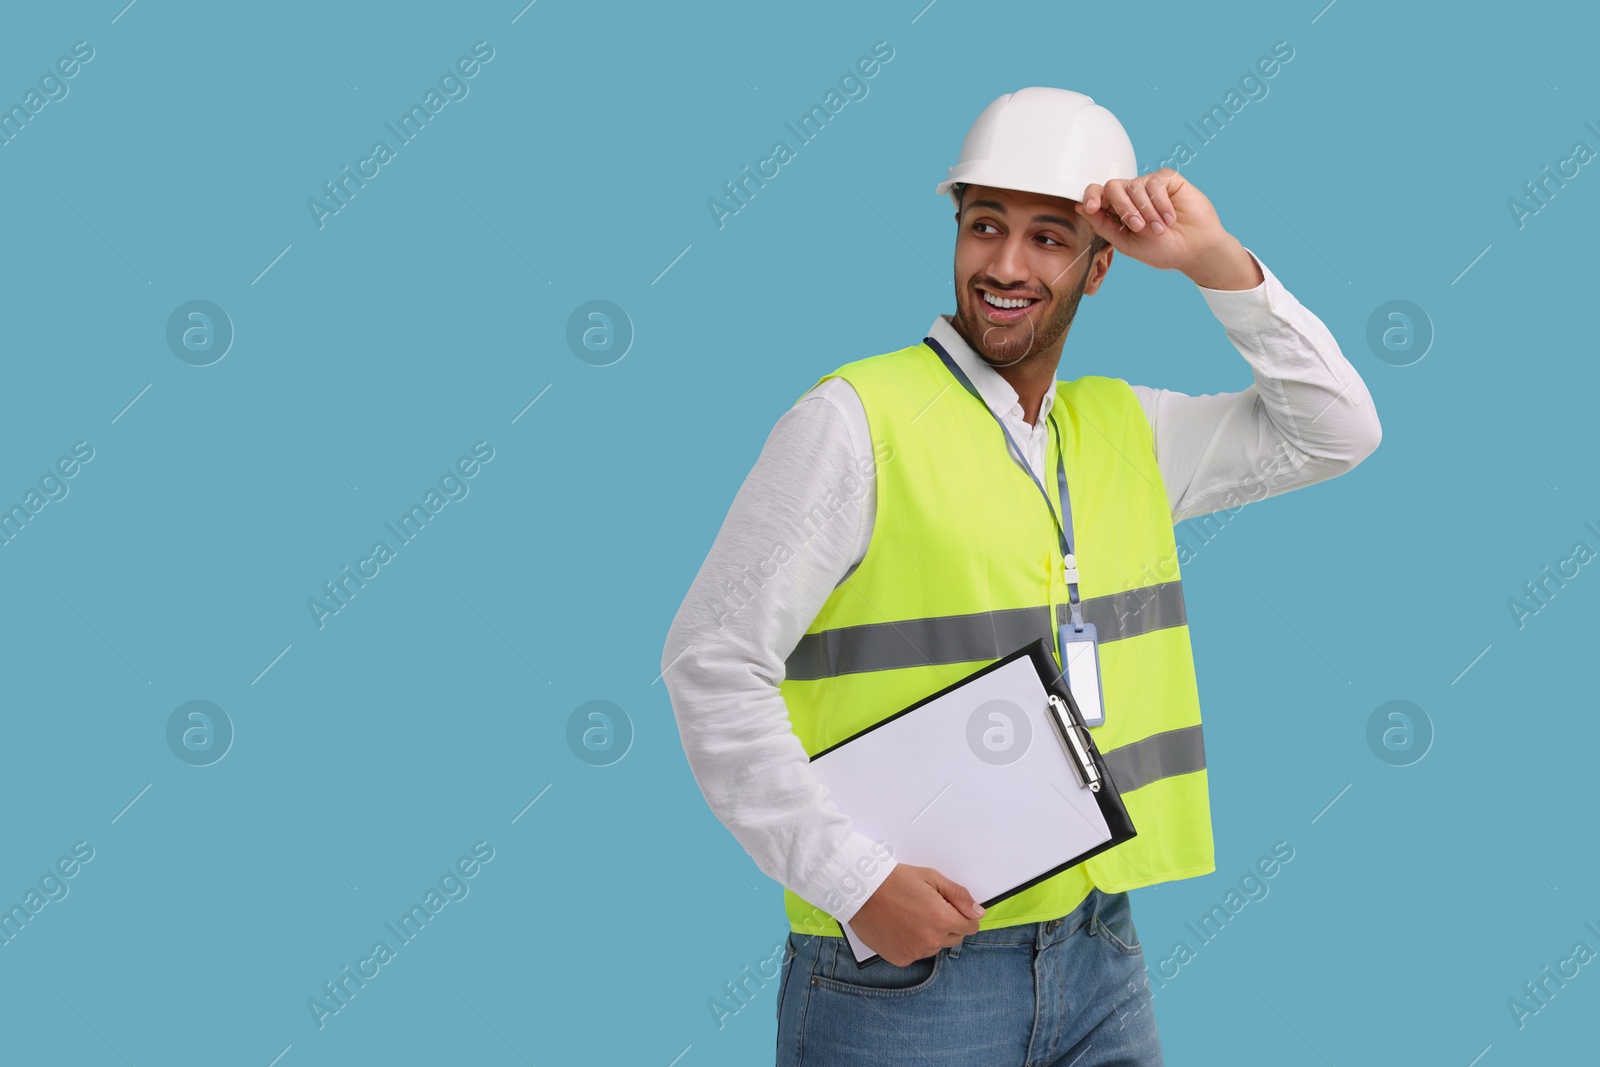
{"x":1006,"y":346}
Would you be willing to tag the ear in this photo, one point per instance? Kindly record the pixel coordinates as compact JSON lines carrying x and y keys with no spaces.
{"x":1098,"y":268}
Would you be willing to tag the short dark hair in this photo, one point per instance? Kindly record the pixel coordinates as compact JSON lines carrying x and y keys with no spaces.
{"x":1096,"y":243}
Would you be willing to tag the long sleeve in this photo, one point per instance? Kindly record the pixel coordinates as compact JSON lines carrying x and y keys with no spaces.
{"x":1306,"y":417}
{"x":796,"y":527}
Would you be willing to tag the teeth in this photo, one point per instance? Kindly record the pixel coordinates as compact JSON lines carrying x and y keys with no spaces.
{"x":994,"y":301}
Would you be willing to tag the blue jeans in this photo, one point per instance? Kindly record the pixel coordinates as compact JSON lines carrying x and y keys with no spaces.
{"x":1067,"y":992}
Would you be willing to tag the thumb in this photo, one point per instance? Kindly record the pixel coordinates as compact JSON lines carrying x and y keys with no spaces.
{"x":1101,"y":222}
{"x":958,"y":896}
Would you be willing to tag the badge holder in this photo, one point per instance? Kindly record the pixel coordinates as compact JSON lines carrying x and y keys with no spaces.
{"x":1080,"y":655}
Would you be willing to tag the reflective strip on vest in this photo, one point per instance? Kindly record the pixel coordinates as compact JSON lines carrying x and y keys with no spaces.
{"x":1155,"y":757}
{"x":882,"y":646}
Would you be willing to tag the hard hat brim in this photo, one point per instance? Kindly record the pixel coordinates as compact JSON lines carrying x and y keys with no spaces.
{"x":1066,"y":186}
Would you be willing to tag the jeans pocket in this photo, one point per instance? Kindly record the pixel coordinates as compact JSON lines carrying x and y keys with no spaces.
{"x":788,"y":966}
{"x":840,"y":973}
{"x":1113,"y":920}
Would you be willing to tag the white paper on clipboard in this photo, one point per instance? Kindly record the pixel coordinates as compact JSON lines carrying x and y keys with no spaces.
{"x":973,"y":783}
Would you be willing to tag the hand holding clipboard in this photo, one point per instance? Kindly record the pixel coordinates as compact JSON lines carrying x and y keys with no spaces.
{"x":993,"y":781}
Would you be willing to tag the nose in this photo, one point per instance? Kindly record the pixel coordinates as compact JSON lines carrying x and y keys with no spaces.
{"x":1010,"y":264}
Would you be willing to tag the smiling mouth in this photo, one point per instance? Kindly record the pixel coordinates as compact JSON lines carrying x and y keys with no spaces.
{"x":1005,"y":308}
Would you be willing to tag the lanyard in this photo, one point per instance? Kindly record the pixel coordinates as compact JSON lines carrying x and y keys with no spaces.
{"x":1063,"y":522}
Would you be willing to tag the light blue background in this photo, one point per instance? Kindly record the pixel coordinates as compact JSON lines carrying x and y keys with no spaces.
{"x":429,"y":312}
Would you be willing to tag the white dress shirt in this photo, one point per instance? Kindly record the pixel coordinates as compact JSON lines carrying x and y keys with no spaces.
{"x":1307,"y":417}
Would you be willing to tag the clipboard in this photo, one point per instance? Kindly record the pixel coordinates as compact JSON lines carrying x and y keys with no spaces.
{"x":994,"y":780}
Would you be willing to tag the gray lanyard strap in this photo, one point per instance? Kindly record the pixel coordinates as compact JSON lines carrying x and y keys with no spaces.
{"x":1063,"y":522}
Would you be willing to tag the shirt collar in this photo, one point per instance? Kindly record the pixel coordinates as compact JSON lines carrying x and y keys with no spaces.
{"x":991,"y":385}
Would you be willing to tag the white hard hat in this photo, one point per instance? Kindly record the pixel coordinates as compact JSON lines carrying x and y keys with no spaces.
{"x":1041,"y":140}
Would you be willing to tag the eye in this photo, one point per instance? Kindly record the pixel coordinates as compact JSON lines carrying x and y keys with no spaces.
{"x":1052,"y":240}
{"x":977,"y":227}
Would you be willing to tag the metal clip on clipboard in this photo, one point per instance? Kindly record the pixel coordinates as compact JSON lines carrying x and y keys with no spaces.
{"x":1075,"y":744}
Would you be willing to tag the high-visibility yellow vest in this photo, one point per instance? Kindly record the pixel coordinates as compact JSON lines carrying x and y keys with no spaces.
{"x":964,"y":566}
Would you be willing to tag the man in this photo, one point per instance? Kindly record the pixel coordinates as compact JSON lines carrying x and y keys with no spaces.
{"x":892,"y":538}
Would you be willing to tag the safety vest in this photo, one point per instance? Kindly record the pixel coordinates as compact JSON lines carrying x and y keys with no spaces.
{"x":964,"y":566}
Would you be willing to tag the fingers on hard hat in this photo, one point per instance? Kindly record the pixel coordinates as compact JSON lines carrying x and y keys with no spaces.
{"x":1121,"y":202}
{"x":1093,"y":196}
{"x":1162,"y":201}
{"x":1139,"y":190}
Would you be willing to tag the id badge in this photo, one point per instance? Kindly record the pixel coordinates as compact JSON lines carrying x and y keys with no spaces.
{"x":1080,"y":659}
